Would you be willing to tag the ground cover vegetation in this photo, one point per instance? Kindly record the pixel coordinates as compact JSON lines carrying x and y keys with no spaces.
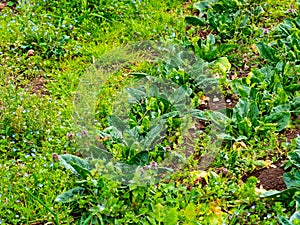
{"x":251,"y":48}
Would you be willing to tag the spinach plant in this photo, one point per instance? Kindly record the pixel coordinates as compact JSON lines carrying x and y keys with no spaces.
{"x":226,"y":18}
{"x":286,"y":47}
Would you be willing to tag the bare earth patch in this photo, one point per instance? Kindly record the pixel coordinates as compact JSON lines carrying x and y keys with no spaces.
{"x":269,"y":178}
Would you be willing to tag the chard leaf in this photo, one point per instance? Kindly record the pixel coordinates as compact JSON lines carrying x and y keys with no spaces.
{"x":240,"y":89}
{"x":294,"y":157}
{"x":284,"y":220}
{"x":83,"y":172}
{"x":68,"y":158}
{"x":135,"y":94}
{"x":281,"y":118}
{"x":178,"y":97}
{"x":285,"y":195}
{"x":225,"y":48}
{"x":140,"y":158}
{"x":296,"y":104}
{"x":281,"y":108}
{"x":222,"y":64}
{"x":241,"y":109}
{"x":170,"y":115}
{"x":116,"y":122}
{"x":269,"y":194}
{"x":196,"y":21}
{"x":199,"y":114}
{"x":232,"y":138}
{"x":245,"y":127}
{"x":203,"y":6}
{"x":292,"y":179}
{"x":153,"y":137}
{"x":267,"y":52}
{"x":295,"y":219}
{"x":69,"y":196}
{"x":75,"y":164}
{"x":218,"y":120}
{"x":253,"y":114}
{"x":298,"y":143}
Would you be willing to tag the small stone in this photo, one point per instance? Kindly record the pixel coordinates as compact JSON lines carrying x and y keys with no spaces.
{"x":215,"y":99}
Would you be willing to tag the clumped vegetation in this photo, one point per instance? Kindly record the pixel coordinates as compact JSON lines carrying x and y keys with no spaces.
{"x":237,"y":164}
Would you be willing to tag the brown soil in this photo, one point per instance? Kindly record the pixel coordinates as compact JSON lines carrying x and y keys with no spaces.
{"x":231,"y":101}
{"x":290,"y":134}
{"x":37,"y":85}
{"x":269,"y":178}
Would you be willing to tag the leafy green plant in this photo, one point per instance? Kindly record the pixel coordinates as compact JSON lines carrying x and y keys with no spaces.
{"x":226,"y":18}
{"x":154,"y":116}
{"x":209,"y":50}
{"x":245,"y":121}
{"x":265,"y":104}
{"x":286,"y":47}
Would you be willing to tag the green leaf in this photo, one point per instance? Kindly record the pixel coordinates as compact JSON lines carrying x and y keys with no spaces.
{"x":241,"y":109}
{"x":140,"y":158}
{"x":199,"y":114}
{"x":117,"y":123}
{"x":271,"y":193}
{"x":203,"y":6}
{"x":296,"y":105}
{"x":292,"y":179}
{"x":170,"y":115}
{"x":218,"y":120}
{"x":282,"y":119}
{"x":253,"y":113}
{"x":294,"y":157}
{"x":139,"y":75}
{"x":69,"y":195}
{"x":285,"y":195}
{"x":232,"y":138}
{"x":198,"y":69}
{"x":75,"y":164}
{"x":298,"y":143}
{"x":83,"y":172}
{"x":210,"y":40}
{"x":135,"y":94}
{"x":153,"y":137}
{"x":281,"y":108}
{"x":266,"y":52}
{"x":222,"y":64}
{"x":245,"y":127}
{"x":240,"y":89}
{"x":178,"y":97}
{"x":295,"y":218}
{"x":245,"y":20}
{"x":284,"y":220}
{"x":196,"y":21}
{"x":225,"y":48}
{"x":10,"y":4}
{"x":75,"y":159}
